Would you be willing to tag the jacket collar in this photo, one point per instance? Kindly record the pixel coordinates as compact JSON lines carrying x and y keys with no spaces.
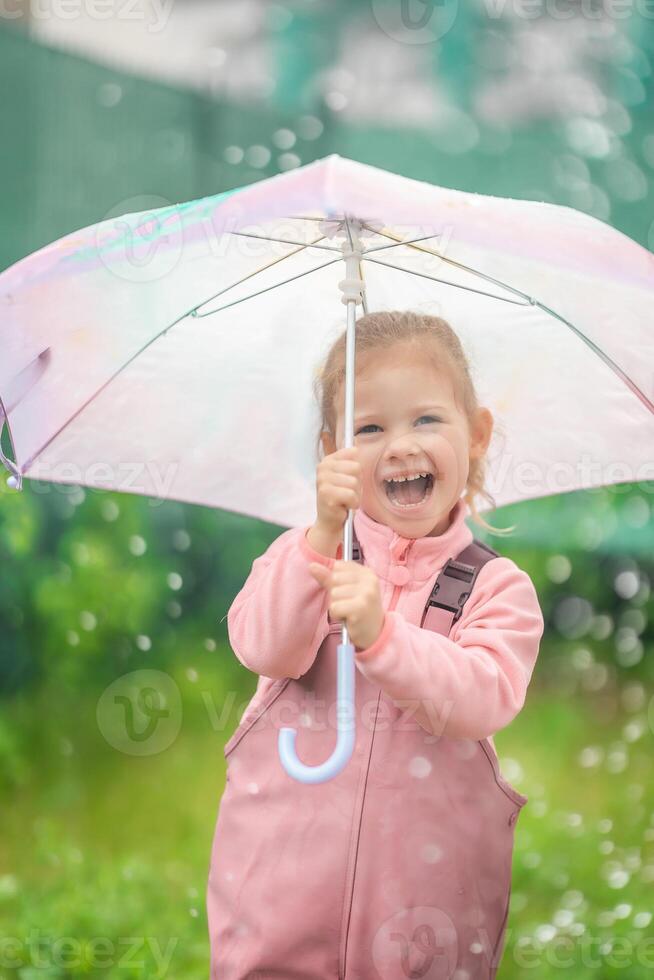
{"x":423,"y":557}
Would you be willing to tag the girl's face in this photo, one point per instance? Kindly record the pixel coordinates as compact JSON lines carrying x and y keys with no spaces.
{"x":406,"y":422}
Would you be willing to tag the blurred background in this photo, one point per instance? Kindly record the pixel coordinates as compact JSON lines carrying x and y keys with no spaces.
{"x":117,"y":106}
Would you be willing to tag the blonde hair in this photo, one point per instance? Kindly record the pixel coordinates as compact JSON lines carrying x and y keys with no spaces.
{"x":427,"y":336}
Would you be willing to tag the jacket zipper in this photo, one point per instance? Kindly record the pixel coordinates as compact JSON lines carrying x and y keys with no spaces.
{"x":342,"y":958}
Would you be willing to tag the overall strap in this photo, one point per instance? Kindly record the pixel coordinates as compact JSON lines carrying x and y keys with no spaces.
{"x":453,"y":586}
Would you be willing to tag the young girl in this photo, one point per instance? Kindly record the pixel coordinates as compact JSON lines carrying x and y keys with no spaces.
{"x":400,"y":866}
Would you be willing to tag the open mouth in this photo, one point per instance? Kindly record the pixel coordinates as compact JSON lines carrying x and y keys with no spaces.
{"x":409,"y":494}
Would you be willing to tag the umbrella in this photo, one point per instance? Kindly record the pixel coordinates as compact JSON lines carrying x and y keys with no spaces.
{"x":171,"y":353}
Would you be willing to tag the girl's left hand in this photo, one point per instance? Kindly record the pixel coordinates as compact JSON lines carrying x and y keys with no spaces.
{"x":355,"y":599}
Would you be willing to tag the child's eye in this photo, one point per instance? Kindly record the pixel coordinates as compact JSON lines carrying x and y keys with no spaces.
{"x":372,"y":425}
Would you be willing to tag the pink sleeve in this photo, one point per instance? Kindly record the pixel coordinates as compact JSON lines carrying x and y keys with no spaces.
{"x":278,"y":620}
{"x":473,"y":683}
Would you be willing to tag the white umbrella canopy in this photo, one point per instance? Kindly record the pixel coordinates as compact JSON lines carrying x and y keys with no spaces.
{"x":172,"y":353}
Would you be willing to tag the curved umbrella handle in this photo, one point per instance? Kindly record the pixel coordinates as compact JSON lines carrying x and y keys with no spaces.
{"x":345,"y":729}
{"x":353,"y":291}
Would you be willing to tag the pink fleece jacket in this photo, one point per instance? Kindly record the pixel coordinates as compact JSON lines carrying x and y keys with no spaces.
{"x":469,"y":685}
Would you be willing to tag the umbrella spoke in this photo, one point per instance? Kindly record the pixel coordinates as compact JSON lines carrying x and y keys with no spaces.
{"x":647,"y":402}
{"x":250,"y":275}
{"x":444,"y":258}
{"x":409,"y":241}
{"x":30,"y":460}
{"x":266,"y":289}
{"x":482,"y":292}
{"x":285,"y":241}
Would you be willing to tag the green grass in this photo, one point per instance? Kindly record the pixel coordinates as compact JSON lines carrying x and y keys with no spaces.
{"x":104,"y":856}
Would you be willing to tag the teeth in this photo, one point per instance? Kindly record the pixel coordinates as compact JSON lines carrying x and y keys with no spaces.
{"x":404,"y":479}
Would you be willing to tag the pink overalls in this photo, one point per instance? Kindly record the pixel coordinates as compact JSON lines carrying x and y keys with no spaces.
{"x":398,"y":867}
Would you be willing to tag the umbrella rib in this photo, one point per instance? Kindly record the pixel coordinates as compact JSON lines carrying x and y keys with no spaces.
{"x":285,"y":241}
{"x":447,"y":282}
{"x":264,"y":290}
{"x":444,"y":258}
{"x":410,"y":241}
{"x":191,"y":312}
{"x":631,"y":384}
{"x":250,"y":275}
{"x":647,"y":402}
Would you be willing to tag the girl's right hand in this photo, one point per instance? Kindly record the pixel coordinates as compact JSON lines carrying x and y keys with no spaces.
{"x":338,"y":488}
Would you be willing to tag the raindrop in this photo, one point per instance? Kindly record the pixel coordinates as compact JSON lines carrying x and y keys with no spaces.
{"x":419,"y":766}
{"x":616,"y":759}
{"x":626,"y":583}
{"x":288,"y":161}
{"x":309,"y":127}
{"x":209,"y":643}
{"x":87,"y":620}
{"x":618,"y":878}
{"x":629,"y":649}
{"x":634,"y":730}
{"x":635,"y":619}
{"x":633,"y":696}
{"x":572,"y":899}
{"x":626,"y":180}
{"x":636,"y":512}
{"x":642,"y":920}
{"x":595,"y":678}
{"x":601,"y":626}
{"x":573,"y":616}
{"x":562,"y":918}
{"x":76,"y":497}
{"x":257,"y":156}
{"x":109,"y":510}
{"x":582,"y":658}
{"x":181,"y":540}
{"x":558,"y":568}
{"x":284,"y":139}
{"x":233,"y":154}
{"x":192,"y":674}
{"x":143,"y":642}
{"x":72,"y":637}
{"x":591,"y":756}
{"x":109,"y":95}
{"x":588,"y":137}
{"x":253,"y":788}
{"x":336,"y":101}
{"x":431,"y":853}
{"x":617,"y":118}
{"x":545,"y":932}
{"x":137,"y":545}
{"x":174,"y":580}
